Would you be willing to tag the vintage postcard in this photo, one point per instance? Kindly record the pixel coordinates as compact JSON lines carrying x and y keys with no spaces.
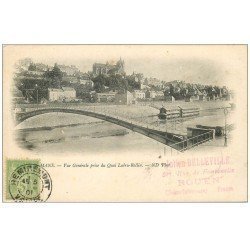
{"x":125,"y":123}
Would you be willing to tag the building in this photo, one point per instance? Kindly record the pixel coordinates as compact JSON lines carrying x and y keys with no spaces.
{"x":144,"y":86}
{"x":84,"y":76}
{"x":36,"y":69}
{"x":109,"y":68}
{"x":65,"y":93}
{"x":138,"y":77}
{"x":23,"y":64}
{"x":70,"y":79}
{"x":124,"y":98}
{"x":69,"y":70}
{"x":55,"y":94}
{"x":106,"y":97}
{"x":69,"y":93}
{"x":200,"y":94}
{"x":139,"y":94}
{"x":86,"y":82}
{"x":159,"y":95}
{"x":153,"y":94}
{"x":42,"y":67}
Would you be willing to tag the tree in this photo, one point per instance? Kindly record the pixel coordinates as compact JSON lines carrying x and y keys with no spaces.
{"x":56,"y":72}
{"x":33,"y":89}
{"x":81,"y":90}
{"x":54,"y":76}
{"x":32,"y":67}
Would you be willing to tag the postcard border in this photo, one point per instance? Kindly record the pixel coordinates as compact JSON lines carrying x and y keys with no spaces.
{"x":160,"y":44}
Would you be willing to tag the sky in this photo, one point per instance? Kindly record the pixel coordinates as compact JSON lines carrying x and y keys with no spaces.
{"x":207,"y":64}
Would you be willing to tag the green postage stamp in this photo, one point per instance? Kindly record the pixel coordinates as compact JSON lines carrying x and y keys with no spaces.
{"x":26,"y":181}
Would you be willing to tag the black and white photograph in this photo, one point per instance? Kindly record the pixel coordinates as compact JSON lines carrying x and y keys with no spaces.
{"x":164,"y":102}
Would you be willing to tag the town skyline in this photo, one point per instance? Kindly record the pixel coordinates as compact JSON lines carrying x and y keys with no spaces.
{"x":166,"y":66}
{"x":181,"y":70}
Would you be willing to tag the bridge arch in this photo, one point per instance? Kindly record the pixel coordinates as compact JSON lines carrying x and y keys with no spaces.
{"x":26,"y":115}
{"x":129,"y":125}
{"x":160,"y":136}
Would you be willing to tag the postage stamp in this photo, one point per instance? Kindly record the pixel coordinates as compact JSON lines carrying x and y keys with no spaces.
{"x":27,"y":181}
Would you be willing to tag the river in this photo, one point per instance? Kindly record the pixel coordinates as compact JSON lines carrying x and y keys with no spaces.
{"x":62,"y":133}
{"x":65,"y":133}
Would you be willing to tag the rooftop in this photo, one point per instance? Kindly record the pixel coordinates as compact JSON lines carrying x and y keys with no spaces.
{"x":55,"y":90}
{"x":68,"y":88}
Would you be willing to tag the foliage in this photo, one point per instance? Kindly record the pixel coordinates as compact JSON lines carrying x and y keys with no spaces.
{"x":32,"y":67}
{"x":54,"y":76}
{"x":115,"y":82}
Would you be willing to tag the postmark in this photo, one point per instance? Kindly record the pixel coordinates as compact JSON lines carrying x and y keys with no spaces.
{"x":30,"y":182}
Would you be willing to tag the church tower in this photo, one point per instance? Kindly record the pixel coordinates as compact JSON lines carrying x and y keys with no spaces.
{"x":120,"y":66}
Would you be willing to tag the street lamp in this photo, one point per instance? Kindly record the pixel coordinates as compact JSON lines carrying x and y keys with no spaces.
{"x":36,"y":93}
{"x":225,"y":130}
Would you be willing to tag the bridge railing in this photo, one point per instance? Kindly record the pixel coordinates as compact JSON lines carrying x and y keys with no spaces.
{"x":193,"y":141}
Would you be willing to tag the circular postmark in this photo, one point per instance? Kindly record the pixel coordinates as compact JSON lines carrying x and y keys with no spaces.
{"x":30,"y":182}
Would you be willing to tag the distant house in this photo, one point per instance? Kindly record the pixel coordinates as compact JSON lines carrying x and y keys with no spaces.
{"x":200,"y":94}
{"x":159,"y":95}
{"x":109,"y":68}
{"x":84,"y":76}
{"x":138,"y":77}
{"x":36,"y":70}
{"x":144,"y":86}
{"x":65,"y":93}
{"x":106,"y":97}
{"x":41,"y":67}
{"x":88,"y":96}
{"x":69,"y":93}
{"x":156,"y":95}
{"x":55,"y":94}
{"x":124,"y":98}
{"x":69,"y":70}
{"x":152,"y":94}
{"x":70,"y":79}
{"x":139,"y":94}
{"x":86,"y":82}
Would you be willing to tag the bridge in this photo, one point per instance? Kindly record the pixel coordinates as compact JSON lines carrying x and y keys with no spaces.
{"x":176,"y":141}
